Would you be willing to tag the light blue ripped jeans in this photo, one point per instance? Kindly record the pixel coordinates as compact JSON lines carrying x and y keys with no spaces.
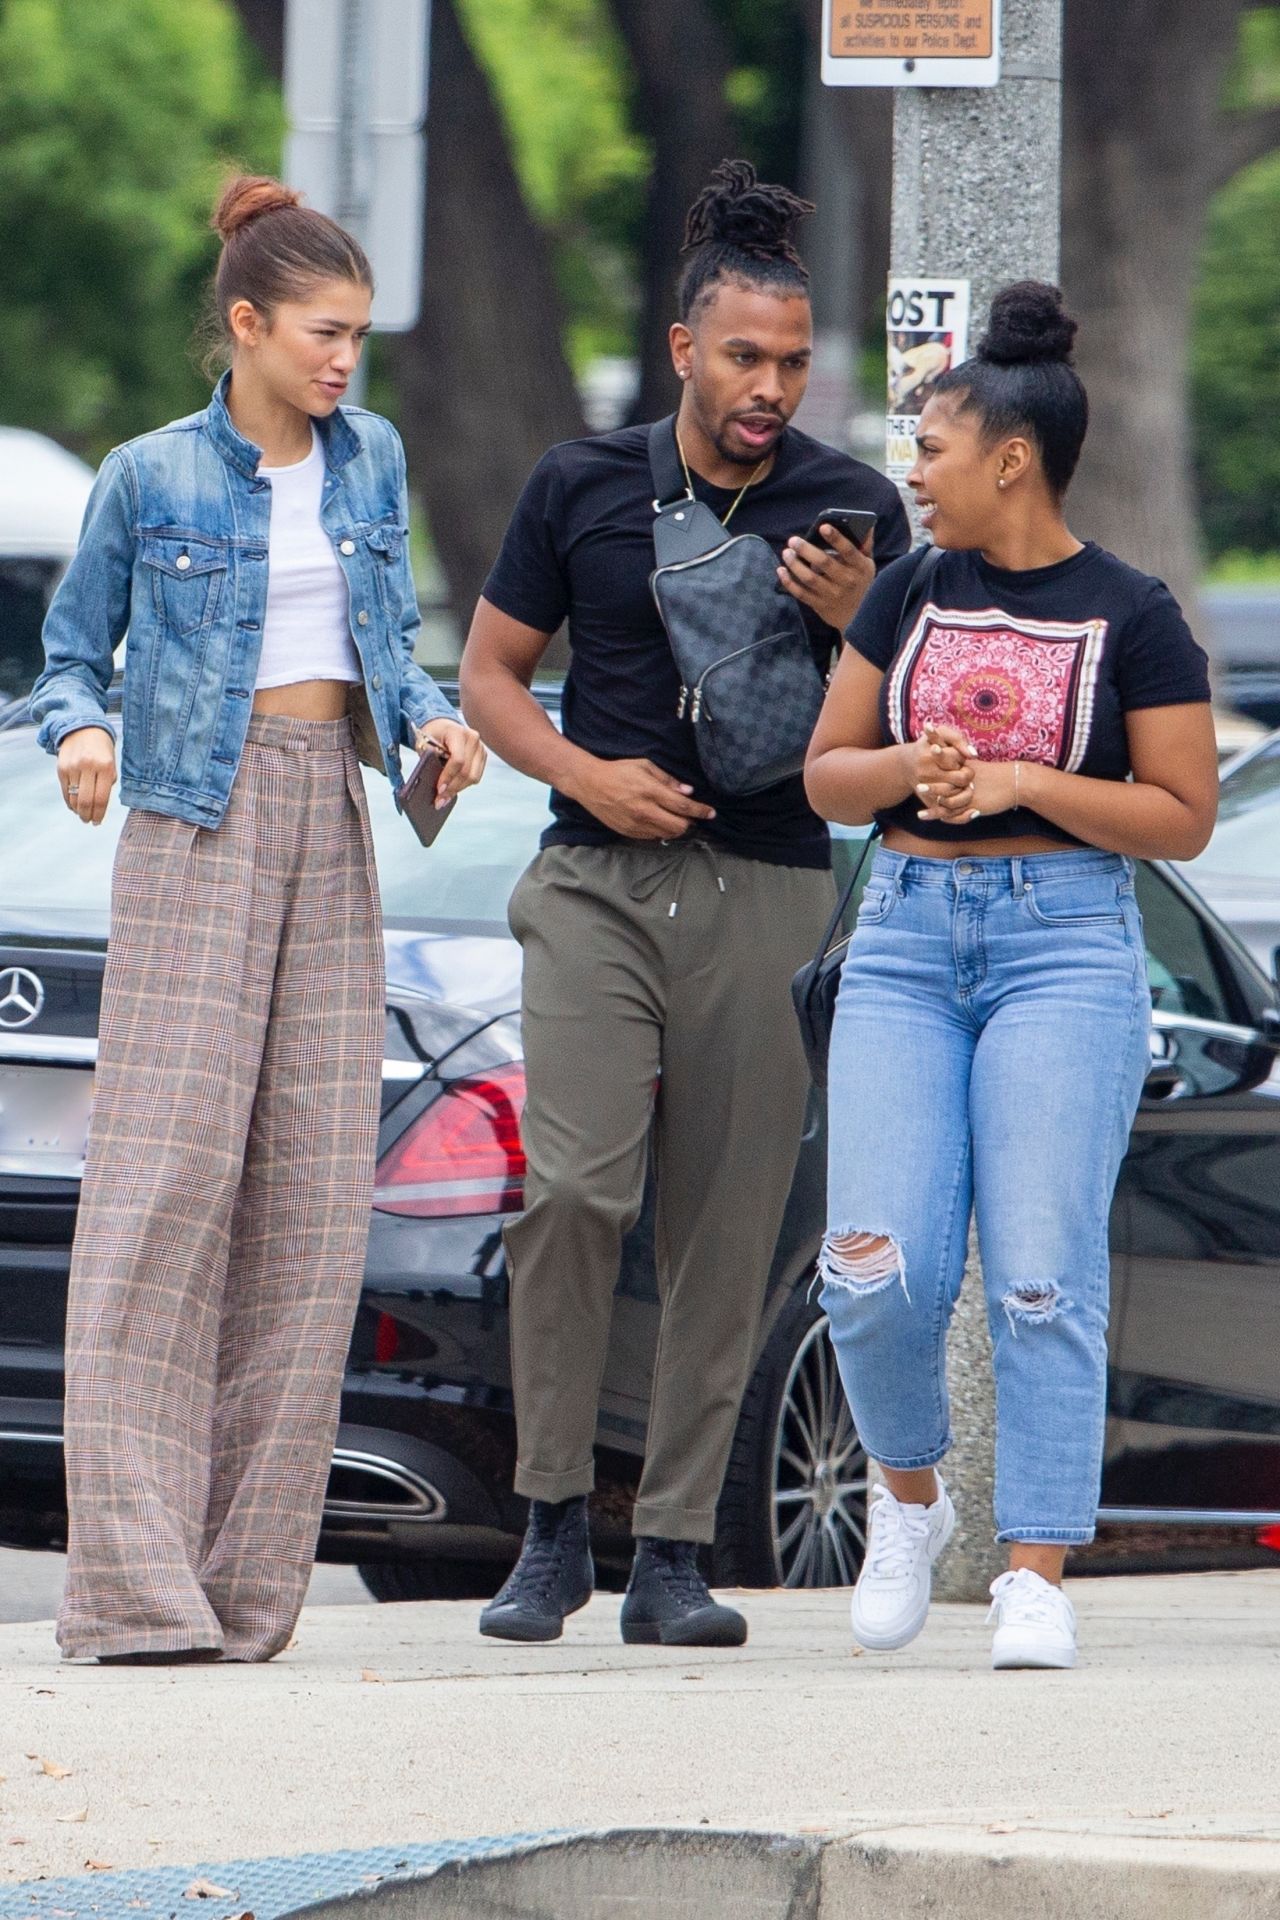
{"x":989,"y":1051}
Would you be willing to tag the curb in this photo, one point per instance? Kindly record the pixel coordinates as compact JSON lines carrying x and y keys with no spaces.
{"x":665,"y":1873}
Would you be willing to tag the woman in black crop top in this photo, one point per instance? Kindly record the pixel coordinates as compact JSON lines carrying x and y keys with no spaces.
{"x":1022,"y":727}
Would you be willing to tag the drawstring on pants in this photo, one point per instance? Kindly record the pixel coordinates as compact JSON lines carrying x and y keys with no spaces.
{"x":674,"y":866}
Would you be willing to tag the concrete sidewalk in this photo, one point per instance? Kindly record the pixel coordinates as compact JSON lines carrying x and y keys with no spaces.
{"x":398,"y":1726}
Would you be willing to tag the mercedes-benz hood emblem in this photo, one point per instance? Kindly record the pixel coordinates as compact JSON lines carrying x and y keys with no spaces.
{"x":21,"y":997}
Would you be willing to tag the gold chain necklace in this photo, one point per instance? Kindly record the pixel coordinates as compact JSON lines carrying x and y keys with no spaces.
{"x":688,"y":479}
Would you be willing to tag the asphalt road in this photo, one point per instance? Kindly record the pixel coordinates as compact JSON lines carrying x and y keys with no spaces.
{"x":31,"y":1585}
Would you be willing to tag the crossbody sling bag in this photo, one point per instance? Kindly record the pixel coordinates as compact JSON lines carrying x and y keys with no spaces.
{"x":748,"y":680}
{"x":815,"y":987}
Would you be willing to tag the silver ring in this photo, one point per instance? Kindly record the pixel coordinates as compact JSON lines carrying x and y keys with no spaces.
{"x":73,"y":791}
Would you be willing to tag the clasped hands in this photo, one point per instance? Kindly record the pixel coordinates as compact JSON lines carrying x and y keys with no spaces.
{"x":952,"y":783}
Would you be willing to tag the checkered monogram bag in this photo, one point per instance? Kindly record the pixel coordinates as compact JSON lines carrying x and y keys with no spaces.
{"x":749,"y":683}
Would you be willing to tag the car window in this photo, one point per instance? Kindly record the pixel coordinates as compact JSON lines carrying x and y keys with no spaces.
{"x":1246,"y":840}
{"x":1182,"y":960}
{"x":484,"y":846}
{"x":26,"y":588}
{"x":55,"y":873}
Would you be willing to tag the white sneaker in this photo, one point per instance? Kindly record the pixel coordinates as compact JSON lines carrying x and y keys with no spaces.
{"x":891,"y":1599}
{"x":1035,"y":1622}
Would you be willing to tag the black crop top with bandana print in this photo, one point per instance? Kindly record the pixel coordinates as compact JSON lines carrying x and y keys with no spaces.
{"x":1038,"y":665}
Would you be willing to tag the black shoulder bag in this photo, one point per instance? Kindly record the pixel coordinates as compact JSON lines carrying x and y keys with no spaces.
{"x":748,"y":679}
{"x":815,"y":987}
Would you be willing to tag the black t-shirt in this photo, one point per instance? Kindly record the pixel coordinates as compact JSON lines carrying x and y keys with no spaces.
{"x":580,"y":547}
{"x":1036,"y":665}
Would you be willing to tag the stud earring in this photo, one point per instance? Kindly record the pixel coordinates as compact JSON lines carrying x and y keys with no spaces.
{"x":999,"y":483}
{"x":684,"y":375}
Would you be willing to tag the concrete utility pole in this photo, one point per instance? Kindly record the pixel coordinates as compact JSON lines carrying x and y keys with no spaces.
{"x":977,"y":195}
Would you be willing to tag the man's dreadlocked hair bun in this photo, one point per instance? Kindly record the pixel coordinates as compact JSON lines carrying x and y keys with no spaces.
{"x":740,"y":228}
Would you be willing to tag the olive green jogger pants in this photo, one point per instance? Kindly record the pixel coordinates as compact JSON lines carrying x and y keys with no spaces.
{"x":656,"y":999}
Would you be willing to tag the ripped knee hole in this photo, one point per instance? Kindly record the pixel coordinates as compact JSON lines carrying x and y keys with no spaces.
{"x":862,"y":1262}
{"x":1034,"y":1302}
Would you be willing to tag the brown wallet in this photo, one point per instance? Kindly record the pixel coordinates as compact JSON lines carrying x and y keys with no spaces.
{"x":418,"y":796}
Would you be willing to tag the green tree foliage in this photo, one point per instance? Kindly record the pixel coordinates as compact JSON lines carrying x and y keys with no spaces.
{"x":561,"y":79}
{"x":117,"y":118}
{"x":1236,"y":366}
{"x":1235,"y":358}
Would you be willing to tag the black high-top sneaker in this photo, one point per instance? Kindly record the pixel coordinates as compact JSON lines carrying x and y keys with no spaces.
{"x":553,"y":1576}
{"x":668,"y":1604}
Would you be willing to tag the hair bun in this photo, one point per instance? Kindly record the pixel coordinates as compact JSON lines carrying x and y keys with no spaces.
{"x":245,"y":197}
{"x":1028,"y":322}
{"x":739,"y":210}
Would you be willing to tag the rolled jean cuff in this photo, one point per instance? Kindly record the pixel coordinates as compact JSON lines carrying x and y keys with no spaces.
{"x":569,"y":1484}
{"x":909,"y":1463}
{"x":1046,"y":1536}
{"x":657,"y":1522}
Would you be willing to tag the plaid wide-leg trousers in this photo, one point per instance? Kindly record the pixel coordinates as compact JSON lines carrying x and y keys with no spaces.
{"x":225,"y":1205}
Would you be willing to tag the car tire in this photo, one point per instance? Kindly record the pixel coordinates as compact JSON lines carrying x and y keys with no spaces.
{"x":432,"y":1579}
{"x":793,"y":1509}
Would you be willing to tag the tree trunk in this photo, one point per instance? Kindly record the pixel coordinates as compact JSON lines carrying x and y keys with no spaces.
{"x":484,"y":383}
{"x":682,"y":60}
{"x":263,"y":22}
{"x":1141,"y":124}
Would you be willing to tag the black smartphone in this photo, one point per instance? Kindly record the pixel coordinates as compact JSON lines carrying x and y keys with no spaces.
{"x":855,"y":523}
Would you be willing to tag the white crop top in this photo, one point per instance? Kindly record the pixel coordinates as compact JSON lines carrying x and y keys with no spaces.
{"x":307,"y":631}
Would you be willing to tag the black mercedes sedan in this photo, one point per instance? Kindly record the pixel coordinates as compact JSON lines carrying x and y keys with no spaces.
{"x":420,"y":1491}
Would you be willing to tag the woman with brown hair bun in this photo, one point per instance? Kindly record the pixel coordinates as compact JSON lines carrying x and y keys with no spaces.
{"x":257,"y":553}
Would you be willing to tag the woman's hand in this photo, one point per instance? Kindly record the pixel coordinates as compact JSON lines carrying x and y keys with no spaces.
{"x":942,"y":767}
{"x":986,"y":786}
{"x":87,"y":772}
{"x":465,"y":756}
{"x":832,"y":582}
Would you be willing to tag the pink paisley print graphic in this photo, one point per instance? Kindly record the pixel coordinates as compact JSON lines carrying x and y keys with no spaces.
{"x":1020,"y":691}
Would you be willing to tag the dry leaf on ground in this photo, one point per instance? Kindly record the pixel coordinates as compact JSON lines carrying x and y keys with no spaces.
{"x":73,"y":1819}
{"x":367,"y":1673}
{"x":205,"y":1890}
{"x":98,"y":1866}
{"x":1001,"y":1826}
{"x":53,"y":1769}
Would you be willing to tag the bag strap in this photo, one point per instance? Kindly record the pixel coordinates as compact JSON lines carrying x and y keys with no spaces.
{"x":912,"y":601}
{"x":669,"y":484}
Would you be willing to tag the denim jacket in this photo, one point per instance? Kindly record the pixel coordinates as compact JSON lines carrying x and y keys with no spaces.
{"x":174,"y":548}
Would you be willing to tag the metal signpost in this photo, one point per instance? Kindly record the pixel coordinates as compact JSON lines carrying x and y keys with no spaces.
{"x":976,"y":204}
{"x":356,"y":100}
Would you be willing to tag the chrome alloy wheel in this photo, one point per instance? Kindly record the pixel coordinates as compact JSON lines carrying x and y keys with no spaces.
{"x":819,"y":1473}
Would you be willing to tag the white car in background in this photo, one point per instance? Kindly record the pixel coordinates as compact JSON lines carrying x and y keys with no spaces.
{"x":43,"y":490}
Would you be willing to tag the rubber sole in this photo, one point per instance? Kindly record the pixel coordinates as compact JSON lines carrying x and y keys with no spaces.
{"x":890,"y":1643}
{"x":180,"y":1657}
{"x":526,"y":1629}
{"x":698,"y":1630}
{"x":1013,"y":1652}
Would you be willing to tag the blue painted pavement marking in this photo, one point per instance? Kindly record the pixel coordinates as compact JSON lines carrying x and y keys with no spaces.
{"x":264,"y":1888}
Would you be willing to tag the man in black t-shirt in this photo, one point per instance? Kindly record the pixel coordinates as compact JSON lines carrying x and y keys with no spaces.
{"x":661,"y":924}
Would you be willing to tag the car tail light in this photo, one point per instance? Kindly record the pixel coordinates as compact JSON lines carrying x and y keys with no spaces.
{"x":462,"y":1155}
{"x":1270,"y":1537}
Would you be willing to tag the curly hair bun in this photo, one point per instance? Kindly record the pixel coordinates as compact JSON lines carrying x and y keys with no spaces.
{"x":247,"y":196}
{"x":1028,"y":323}
{"x":739,"y":210}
